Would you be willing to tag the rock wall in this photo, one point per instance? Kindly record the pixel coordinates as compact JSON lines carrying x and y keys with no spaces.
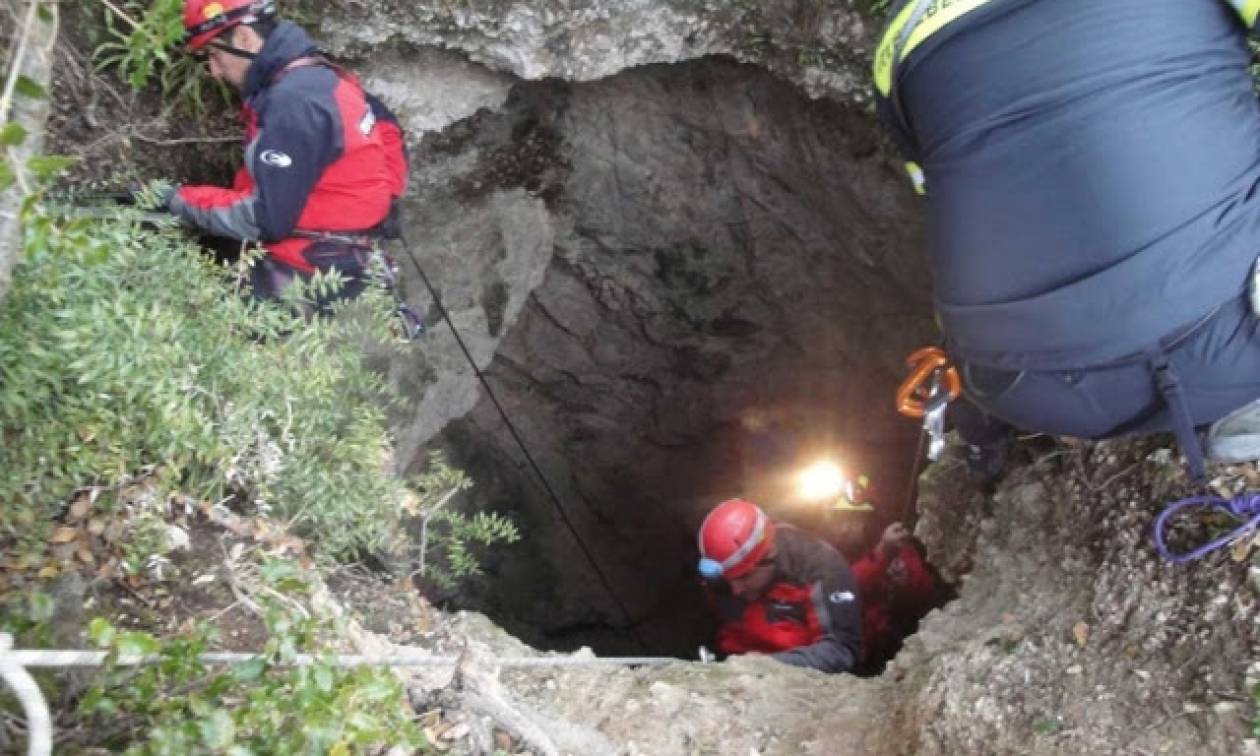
{"x":823,"y":46}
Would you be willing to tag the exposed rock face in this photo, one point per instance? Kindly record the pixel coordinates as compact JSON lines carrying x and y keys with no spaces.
{"x":1071,"y":634}
{"x":821,"y":45}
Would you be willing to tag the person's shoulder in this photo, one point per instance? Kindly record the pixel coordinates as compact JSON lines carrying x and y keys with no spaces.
{"x":806,"y":553}
{"x":294,"y":96}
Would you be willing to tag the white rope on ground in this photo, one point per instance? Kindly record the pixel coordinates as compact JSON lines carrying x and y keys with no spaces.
{"x":419,"y":659}
{"x":13,"y":666}
{"x":38,"y":719}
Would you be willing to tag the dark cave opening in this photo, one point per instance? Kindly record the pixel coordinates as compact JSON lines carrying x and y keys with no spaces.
{"x":732,"y":280}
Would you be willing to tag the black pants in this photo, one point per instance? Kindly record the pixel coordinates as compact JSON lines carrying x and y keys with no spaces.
{"x":1218,"y":364}
{"x":270,"y":277}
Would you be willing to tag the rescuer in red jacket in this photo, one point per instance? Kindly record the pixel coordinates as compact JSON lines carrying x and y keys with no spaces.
{"x":779,"y":590}
{"x":324,"y":160}
{"x":897,"y":589}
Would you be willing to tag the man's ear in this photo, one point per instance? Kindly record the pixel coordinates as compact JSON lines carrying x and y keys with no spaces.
{"x":243,"y":37}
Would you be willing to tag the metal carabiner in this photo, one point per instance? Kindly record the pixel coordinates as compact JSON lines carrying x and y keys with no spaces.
{"x":930,"y":372}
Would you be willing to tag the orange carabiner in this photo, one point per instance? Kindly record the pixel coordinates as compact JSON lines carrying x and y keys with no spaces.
{"x":915,"y":391}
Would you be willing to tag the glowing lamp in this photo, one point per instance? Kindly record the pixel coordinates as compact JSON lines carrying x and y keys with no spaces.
{"x":822,"y":481}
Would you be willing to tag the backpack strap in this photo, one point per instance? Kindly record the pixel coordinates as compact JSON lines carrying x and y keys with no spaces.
{"x":1170,"y":387}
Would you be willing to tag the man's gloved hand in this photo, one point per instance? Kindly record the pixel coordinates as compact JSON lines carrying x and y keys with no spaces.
{"x":894,"y":536}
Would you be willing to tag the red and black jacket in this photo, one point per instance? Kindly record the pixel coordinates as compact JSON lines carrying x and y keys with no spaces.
{"x":320,"y":155}
{"x":810,"y":615}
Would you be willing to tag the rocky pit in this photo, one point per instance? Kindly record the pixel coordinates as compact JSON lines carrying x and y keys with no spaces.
{"x":692,"y":278}
{"x":676,"y":246}
{"x":682,"y":277}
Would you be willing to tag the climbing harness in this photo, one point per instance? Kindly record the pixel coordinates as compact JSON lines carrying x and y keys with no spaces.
{"x":932,"y":384}
{"x":381,"y":271}
{"x":14,"y":664}
{"x":1242,"y":507}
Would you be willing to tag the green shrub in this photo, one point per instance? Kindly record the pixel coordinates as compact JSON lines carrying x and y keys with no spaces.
{"x":145,"y":42}
{"x":125,"y":351}
{"x":179,"y":706}
{"x":443,"y":546}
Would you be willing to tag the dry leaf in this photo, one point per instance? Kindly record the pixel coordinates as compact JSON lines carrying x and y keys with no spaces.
{"x":457,"y":732}
{"x":1080,"y":631}
{"x":96,"y":526}
{"x":1241,"y":549}
{"x":114,"y":531}
{"x":49,"y":572}
{"x":64,"y":534}
{"x":79,"y":509}
{"x":85,"y":555}
{"x":430,"y":718}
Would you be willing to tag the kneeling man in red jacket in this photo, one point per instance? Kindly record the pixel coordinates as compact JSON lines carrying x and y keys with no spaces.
{"x":779,"y":590}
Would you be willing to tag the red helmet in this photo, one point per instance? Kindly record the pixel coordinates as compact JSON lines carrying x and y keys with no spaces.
{"x":206,"y":19}
{"x":733,"y":538}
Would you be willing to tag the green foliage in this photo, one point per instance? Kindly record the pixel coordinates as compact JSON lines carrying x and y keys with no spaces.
{"x":146,"y":40}
{"x":28,"y":87}
{"x":25,"y":615}
{"x":878,"y":8}
{"x":1049,"y":725}
{"x":269,"y":705}
{"x":12,"y":135}
{"x":123,"y":349}
{"x":144,"y":37}
{"x":448,"y":536}
{"x":1255,"y":721}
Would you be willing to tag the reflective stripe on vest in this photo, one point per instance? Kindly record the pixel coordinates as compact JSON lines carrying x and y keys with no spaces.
{"x":1247,"y":9}
{"x":920,"y":19}
{"x":917,"y":21}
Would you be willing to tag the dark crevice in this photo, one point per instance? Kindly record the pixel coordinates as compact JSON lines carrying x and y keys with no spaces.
{"x":707,"y":295}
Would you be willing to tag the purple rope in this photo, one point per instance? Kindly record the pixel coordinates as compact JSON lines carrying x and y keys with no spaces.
{"x":1242,"y":507}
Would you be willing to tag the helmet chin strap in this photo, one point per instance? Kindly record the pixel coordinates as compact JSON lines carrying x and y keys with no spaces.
{"x":230,"y":50}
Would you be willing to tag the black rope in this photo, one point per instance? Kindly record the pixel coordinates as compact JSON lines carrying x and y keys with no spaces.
{"x":907,"y":506}
{"x":555,"y":498}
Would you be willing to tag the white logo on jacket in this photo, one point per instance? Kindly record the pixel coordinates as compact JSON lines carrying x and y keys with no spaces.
{"x":841,"y":597}
{"x":276,"y":158}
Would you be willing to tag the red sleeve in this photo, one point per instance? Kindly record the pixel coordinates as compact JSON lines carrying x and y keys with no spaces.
{"x":920,"y":587}
{"x":869,"y":572}
{"x":242,"y":182}
{"x":730,"y":640}
{"x":395,"y":158}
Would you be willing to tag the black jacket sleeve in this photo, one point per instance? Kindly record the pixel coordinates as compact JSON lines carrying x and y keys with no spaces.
{"x":833,"y":592}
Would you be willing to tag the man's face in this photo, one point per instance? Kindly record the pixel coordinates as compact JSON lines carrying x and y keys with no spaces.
{"x":753,"y":584}
{"x":897,"y":574}
{"x":226,"y":66}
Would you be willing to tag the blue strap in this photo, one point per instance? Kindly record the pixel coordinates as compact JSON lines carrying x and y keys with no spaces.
{"x":1170,"y":387}
{"x":1245,"y":506}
